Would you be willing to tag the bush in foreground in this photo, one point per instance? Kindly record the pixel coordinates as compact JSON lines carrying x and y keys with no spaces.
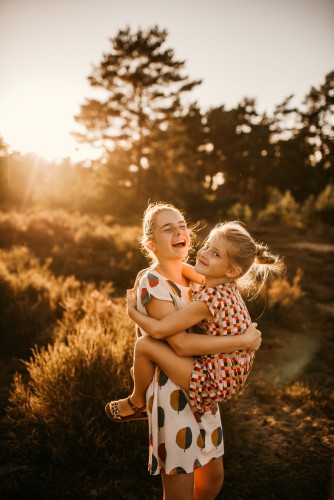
{"x":57,"y":417}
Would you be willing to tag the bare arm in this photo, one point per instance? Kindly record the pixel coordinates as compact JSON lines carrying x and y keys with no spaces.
{"x":193,"y":344}
{"x":170,"y":324}
{"x":189,"y":272}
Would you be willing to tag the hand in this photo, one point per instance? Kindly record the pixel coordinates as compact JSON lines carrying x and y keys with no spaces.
{"x":131,"y":300}
{"x":253,"y":337}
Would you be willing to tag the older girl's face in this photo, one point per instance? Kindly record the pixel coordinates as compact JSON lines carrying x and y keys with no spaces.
{"x":171,"y":236}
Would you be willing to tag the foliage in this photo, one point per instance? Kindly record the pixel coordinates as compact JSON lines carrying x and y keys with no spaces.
{"x":281,"y":208}
{"x":143,"y":83}
{"x":203,"y":161}
{"x":59,"y":413}
{"x":282,"y":294}
{"x":324,"y":204}
{"x":91,"y":248}
{"x":241,"y":212}
{"x":28,"y":290}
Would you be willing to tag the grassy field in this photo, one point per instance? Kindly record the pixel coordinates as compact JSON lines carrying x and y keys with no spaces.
{"x":62,"y":283}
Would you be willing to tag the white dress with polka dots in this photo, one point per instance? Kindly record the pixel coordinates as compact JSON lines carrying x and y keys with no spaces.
{"x":180,"y":440}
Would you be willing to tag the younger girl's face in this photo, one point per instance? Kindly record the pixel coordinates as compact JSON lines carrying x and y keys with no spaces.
{"x":171,"y":236}
{"x":213,"y":261}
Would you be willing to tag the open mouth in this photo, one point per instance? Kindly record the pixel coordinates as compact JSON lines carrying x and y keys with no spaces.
{"x":180,"y":244}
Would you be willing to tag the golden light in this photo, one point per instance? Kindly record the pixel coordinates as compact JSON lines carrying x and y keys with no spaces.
{"x":35,"y":119}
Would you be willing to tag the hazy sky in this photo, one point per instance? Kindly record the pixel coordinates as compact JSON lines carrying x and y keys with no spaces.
{"x":267,"y":49}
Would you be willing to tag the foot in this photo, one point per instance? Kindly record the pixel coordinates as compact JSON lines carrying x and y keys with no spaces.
{"x":125,"y":409}
{"x":117,"y":411}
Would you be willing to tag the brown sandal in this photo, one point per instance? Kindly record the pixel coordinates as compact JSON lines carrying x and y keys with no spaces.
{"x":112,"y":412}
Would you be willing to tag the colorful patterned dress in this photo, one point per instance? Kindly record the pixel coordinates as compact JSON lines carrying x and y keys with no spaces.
{"x":216,"y":378}
{"x":180,"y":440}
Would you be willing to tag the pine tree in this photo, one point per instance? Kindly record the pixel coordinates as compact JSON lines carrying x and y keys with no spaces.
{"x":142,"y":83}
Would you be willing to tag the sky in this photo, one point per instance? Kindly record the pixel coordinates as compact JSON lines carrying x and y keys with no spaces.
{"x":266,"y":49}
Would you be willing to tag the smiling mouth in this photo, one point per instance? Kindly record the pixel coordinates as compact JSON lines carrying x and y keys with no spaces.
{"x":179,"y":244}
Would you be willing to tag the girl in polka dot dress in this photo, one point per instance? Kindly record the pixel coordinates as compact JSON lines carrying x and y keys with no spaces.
{"x":218,"y":309}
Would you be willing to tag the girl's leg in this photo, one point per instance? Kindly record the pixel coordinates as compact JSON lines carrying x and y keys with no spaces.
{"x":209,"y":480}
{"x":148,"y":353}
{"x":178,"y":487}
{"x":204,"y":484}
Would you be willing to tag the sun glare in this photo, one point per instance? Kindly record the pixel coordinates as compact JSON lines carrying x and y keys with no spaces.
{"x":40,"y":122}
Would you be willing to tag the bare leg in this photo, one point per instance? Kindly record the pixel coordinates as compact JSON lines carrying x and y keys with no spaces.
{"x":209,"y":480}
{"x":178,"y":487}
{"x":148,"y":353}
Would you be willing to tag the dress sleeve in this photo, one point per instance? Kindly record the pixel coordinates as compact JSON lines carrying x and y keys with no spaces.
{"x":212,"y":299}
{"x":151,"y":285}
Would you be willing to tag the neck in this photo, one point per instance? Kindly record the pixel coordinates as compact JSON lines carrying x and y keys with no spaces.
{"x":172,"y":270}
{"x":214,"y":283}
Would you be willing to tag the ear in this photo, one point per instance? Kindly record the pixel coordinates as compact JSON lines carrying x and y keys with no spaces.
{"x":234,"y":272}
{"x":150,"y":245}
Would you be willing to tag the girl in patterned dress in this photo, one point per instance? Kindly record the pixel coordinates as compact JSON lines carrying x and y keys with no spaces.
{"x":228,"y":254}
{"x":186,"y":449}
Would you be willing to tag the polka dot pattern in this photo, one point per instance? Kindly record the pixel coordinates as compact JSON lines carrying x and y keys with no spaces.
{"x":180,"y":439}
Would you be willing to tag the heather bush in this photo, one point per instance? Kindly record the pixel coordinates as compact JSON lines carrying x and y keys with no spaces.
{"x":57,"y":415}
{"x":89,"y":247}
{"x":31,"y":300}
{"x":282,"y":293}
{"x":37,"y":307}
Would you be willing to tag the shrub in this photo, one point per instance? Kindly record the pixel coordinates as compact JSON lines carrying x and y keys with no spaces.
{"x":281,"y":293}
{"x":324,"y":204}
{"x":281,"y":208}
{"x":30,"y":300}
{"x":241,"y":212}
{"x":58,"y":414}
{"x":90,"y":248}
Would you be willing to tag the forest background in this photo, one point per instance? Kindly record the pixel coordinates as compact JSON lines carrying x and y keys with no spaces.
{"x":69,"y":249}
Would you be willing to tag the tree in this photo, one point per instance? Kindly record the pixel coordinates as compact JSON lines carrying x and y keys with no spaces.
{"x":318,"y":131}
{"x":142,"y":84}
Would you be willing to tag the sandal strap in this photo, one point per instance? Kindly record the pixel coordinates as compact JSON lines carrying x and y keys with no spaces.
{"x":134,"y":407}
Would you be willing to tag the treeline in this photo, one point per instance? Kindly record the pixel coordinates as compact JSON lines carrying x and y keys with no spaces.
{"x":236,"y":162}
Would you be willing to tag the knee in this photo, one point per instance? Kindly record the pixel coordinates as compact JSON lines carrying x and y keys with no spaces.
{"x":210,"y":481}
{"x":143,"y":344}
{"x":217,"y":483}
{"x":217,"y":479}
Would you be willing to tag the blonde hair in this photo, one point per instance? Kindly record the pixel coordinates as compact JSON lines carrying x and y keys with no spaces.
{"x":256,"y":262}
{"x":149,"y":219}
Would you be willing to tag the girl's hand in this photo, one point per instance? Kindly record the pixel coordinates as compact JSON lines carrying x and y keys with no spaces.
{"x":253,"y":337}
{"x":131,"y":300}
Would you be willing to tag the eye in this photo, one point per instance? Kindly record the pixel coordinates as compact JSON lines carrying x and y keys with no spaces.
{"x":216,"y":254}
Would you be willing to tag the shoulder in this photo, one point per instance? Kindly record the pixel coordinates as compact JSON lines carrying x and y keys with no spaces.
{"x":216,"y":295}
{"x":154,"y":285}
